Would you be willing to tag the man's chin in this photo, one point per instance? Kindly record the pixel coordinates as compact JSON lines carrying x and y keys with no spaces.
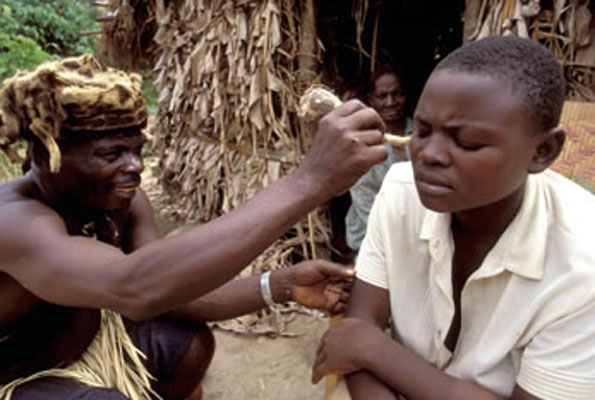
{"x":117,"y":204}
{"x":121,"y":205}
{"x":392,"y":118}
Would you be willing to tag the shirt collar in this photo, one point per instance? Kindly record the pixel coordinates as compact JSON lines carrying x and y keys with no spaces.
{"x":519,"y":250}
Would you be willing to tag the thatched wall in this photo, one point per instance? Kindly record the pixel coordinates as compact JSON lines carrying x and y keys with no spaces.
{"x":128,"y":30}
{"x":230,"y":74}
{"x":566,"y":27}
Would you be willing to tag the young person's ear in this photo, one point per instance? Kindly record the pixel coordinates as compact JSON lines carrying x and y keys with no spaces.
{"x":548,"y":150}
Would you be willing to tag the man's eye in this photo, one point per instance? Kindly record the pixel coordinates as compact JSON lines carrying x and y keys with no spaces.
{"x":110,"y":155}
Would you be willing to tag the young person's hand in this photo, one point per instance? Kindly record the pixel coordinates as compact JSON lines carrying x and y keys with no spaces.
{"x":319,"y":284}
{"x":347,"y":144}
{"x":343,"y":347}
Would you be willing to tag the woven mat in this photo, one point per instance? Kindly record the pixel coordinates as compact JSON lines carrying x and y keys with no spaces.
{"x":577,"y":160}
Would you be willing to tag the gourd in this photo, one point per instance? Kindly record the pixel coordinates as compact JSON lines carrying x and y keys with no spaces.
{"x":319,"y":100}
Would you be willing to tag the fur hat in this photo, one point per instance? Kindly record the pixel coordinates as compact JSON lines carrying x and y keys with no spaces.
{"x":76,"y":94}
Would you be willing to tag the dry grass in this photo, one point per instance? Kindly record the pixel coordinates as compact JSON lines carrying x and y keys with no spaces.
{"x":229,"y":83}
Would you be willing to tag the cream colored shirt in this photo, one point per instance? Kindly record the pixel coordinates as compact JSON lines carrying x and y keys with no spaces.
{"x":528,"y":312}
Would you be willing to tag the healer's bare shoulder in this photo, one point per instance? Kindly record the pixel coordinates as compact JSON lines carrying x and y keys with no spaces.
{"x":20,"y":211}
{"x":14,"y":190}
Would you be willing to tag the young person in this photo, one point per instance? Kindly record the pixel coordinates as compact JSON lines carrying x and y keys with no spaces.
{"x":479,"y":256}
{"x":92,"y":302}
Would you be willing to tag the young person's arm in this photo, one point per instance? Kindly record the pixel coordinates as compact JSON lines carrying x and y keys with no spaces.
{"x":372,"y":362}
{"x":75,"y":271}
{"x":370,"y":305}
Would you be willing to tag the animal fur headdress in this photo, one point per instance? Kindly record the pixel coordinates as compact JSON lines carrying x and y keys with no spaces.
{"x":76,"y":94}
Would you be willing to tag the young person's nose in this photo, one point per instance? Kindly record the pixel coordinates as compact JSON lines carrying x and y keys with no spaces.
{"x":435,"y":150}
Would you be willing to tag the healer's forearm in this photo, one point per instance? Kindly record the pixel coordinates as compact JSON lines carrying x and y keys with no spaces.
{"x":236,"y":298}
{"x":184,"y":267}
{"x":416,"y":379}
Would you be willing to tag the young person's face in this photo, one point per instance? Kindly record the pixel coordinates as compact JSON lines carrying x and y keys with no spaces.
{"x":102,"y":173}
{"x":388,"y":98}
{"x":473,"y":142}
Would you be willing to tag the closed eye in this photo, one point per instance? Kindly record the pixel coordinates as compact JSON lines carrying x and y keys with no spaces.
{"x":469,"y":146}
{"x":421,"y":130}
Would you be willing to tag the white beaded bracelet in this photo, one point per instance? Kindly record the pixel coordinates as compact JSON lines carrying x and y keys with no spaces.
{"x":265,"y":289}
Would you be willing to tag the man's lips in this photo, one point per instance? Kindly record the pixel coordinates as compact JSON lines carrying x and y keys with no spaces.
{"x":126,"y":187}
{"x":391,"y":111}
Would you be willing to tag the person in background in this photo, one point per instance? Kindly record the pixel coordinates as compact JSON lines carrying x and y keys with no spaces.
{"x":387,"y":96}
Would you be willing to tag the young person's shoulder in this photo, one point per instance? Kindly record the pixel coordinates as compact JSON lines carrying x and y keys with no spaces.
{"x":570,"y":210}
{"x":398,"y":196}
{"x":399,"y":183}
{"x":569,"y":205}
{"x":401,"y":173}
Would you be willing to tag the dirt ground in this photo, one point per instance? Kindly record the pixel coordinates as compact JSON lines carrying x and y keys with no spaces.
{"x":258,"y":367}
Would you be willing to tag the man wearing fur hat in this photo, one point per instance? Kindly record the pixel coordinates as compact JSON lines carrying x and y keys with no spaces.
{"x":92,"y":303}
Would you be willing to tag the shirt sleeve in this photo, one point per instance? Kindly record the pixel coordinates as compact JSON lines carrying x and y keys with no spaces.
{"x":371,"y":262}
{"x":559,"y":363}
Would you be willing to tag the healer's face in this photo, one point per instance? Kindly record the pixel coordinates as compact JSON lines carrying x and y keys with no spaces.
{"x":103,"y":173}
{"x":473,"y":143}
{"x":388,"y":98}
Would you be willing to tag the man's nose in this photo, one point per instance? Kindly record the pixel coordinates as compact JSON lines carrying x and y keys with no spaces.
{"x":133,"y":163}
{"x":435,"y":150}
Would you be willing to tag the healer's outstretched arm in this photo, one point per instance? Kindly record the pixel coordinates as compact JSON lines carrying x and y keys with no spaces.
{"x":315,"y":284}
{"x":165,"y":274}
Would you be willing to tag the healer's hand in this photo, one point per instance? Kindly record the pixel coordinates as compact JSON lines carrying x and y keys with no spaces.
{"x":347,"y":144}
{"x":344,"y":346}
{"x":320,"y":284}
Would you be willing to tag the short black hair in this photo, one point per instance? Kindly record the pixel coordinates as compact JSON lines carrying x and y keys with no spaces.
{"x":528,"y":67}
